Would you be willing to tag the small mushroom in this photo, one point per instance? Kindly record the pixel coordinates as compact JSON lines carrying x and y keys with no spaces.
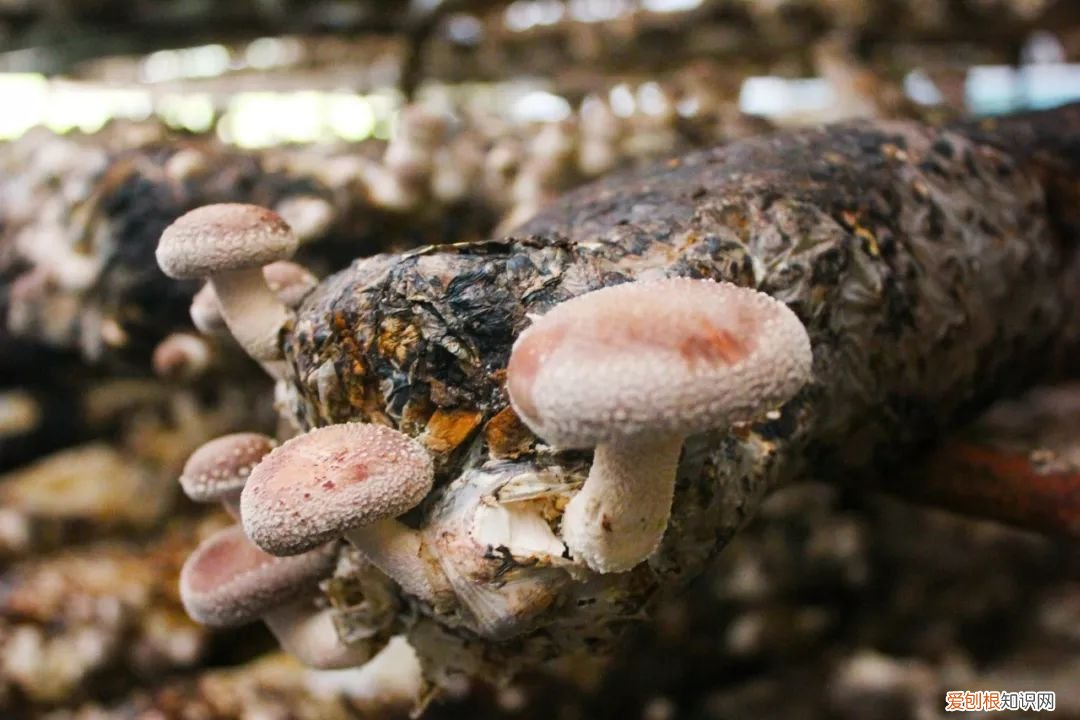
{"x":206,"y":312}
{"x":228,"y":581}
{"x":289,"y":281}
{"x":230,"y":244}
{"x":634,"y":369}
{"x":401,"y":181}
{"x":218,"y":470}
{"x":601,"y":132}
{"x":419,"y":133}
{"x":348,"y":480}
{"x":310,"y":216}
{"x":182,"y":356}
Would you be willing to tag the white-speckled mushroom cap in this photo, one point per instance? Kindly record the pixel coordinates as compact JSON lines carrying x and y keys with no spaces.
{"x":219,"y":238}
{"x":673,"y":356}
{"x":220,"y":468}
{"x":228,"y":581}
{"x":316,"y":486}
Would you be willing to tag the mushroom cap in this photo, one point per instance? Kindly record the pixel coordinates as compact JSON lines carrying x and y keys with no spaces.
{"x":289,"y":281}
{"x":317,"y":486}
{"x":181,"y":356}
{"x":218,"y":238}
{"x":228,"y":581}
{"x":220,"y":468}
{"x":672,"y":356}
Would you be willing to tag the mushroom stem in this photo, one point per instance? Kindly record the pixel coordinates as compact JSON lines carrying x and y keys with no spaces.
{"x":397,"y":550}
{"x":311,"y":637}
{"x":231,"y":504}
{"x":621,"y":512}
{"x":254,"y":315}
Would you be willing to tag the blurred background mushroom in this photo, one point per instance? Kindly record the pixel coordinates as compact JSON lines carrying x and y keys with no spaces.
{"x":372,"y":127}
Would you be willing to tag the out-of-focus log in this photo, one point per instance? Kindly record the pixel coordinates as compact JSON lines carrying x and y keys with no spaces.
{"x":494,"y":42}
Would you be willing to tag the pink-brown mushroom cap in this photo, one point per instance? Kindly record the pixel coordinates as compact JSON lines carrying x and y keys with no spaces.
{"x":317,"y":486}
{"x":672,"y":356}
{"x":228,"y":581}
{"x":220,"y":468}
{"x":181,"y":356}
{"x":219,"y":238}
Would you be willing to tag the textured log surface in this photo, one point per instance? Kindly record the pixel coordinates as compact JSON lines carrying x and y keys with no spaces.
{"x":931,"y":268}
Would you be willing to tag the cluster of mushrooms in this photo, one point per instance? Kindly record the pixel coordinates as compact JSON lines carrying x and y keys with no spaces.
{"x":628,"y":370}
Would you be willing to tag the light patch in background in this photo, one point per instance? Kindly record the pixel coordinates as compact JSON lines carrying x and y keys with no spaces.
{"x":781,"y":97}
{"x":264,"y":119}
{"x":25,"y":96}
{"x":621,"y":99}
{"x":688,"y":106}
{"x":540,"y":106}
{"x":1043,"y":86}
{"x":350,"y":117}
{"x":385,"y":105}
{"x":196,"y":62}
{"x":652,"y":100}
{"x":301,"y":119}
{"x":526,"y":14}
{"x":1042,"y":48}
{"x":919,"y":87}
{"x":269,"y":52}
{"x":999,"y":89}
{"x":76,"y":108}
{"x":991,"y":89}
{"x":464,"y":29}
{"x":595,"y":11}
{"x":32,"y":100}
{"x":194,"y":113}
{"x":669,"y":6}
